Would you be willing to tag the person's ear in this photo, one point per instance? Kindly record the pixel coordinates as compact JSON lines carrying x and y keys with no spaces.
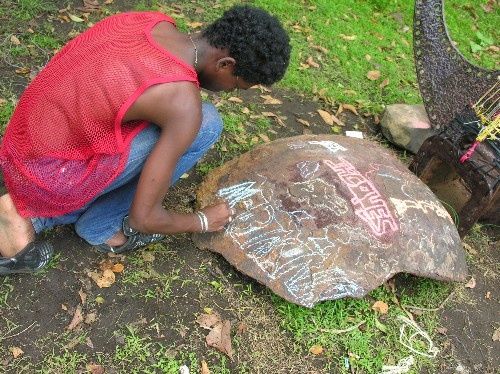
{"x":226,"y":63}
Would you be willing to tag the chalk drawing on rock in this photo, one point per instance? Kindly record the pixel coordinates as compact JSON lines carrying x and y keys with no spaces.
{"x":425,"y":207}
{"x":307,"y":169}
{"x":329,"y":145}
{"x":272,"y":237}
{"x":234,"y":194}
{"x":366,"y":199}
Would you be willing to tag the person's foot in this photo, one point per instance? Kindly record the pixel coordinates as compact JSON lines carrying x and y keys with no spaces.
{"x":16,"y":232}
{"x":133,"y":240}
{"x":19,"y":252}
{"x":30,"y":259}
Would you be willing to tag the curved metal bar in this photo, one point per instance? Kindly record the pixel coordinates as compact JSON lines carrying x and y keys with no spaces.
{"x":447,"y":81}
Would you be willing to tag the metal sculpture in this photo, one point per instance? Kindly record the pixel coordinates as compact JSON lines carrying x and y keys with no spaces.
{"x":447,"y":81}
{"x":462,"y":101}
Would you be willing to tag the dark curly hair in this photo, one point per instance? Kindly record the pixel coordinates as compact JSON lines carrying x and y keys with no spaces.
{"x":256,"y":40}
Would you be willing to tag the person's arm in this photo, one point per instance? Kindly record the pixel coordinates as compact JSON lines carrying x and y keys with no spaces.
{"x":176,"y":108}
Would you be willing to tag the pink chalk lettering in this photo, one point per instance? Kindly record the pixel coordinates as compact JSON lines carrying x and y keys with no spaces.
{"x":366,"y":199}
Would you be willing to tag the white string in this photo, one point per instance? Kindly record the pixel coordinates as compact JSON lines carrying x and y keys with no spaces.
{"x":407,"y":341}
{"x":404,"y":365}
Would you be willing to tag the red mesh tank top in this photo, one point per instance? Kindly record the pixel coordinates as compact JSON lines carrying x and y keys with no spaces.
{"x":65,"y":141}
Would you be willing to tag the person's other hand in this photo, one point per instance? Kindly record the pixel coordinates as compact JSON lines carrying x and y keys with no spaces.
{"x":218,"y":215}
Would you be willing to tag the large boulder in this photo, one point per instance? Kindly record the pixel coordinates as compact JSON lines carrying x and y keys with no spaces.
{"x":406,"y":126}
{"x":325,"y":217}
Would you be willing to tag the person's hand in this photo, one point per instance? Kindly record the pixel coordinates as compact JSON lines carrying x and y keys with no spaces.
{"x":217,"y":216}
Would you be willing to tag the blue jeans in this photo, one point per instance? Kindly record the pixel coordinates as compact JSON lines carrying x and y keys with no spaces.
{"x":102,"y":218}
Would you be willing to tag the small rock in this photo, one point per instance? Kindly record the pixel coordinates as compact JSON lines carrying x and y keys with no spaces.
{"x":406,"y":126}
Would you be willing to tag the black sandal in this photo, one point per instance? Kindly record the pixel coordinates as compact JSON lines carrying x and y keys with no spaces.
{"x":134,"y":240}
{"x":30,"y":259}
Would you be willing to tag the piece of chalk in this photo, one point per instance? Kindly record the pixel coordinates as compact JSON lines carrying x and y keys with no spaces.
{"x":354,"y":134}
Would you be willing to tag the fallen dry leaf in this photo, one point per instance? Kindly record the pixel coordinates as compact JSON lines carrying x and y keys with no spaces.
{"x":269,"y":114}
{"x":348,"y":37}
{"x":340,"y":109}
{"x":207,"y":321}
{"x":104,"y":280}
{"x":471,"y":283}
{"x":16,"y":351}
{"x":245,"y":110}
{"x":64,"y":307}
{"x":337,"y":121}
{"x":470,"y":249}
{"x":260,"y":87}
{"x":23,"y":71}
{"x":64,"y":18}
{"x":95,"y":368}
{"x":373,"y":75}
{"x":83,"y":296}
{"x":350,"y":107}
{"x":380,"y":307}
{"x":442,"y":330}
{"x":90,"y":6}
{"x":319,"y":48}
{"x":368,"y":57}
{"x":310,"y":61}
{"x":106,"y":264}
{"x":75,"y":18}
{"x":496,"y":335}
{"x":90,"y":318}
{"x":269,"y":100}
{"x":265,"y":138}
{"x":195,"y":24}
{"x":303,"y":122}
{"x":489,"y":6}
{"x":77,"y":318}
{"x":220,"y":338}
{"x":204,"y":367}
{"x":117,"y":268}
{"x":14,"y":40}
{"x":275,"y":116}
{"x":327,"y":117}
{"x":235,"y":99}
{"x":384,"y":83}
{"x":316,"y":350}
{"x":242,"y":328}
{"x":89,"y":343}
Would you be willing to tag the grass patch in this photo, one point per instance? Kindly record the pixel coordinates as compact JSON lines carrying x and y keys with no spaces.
{"x":6,"y":289}
{"x":27,"y":9}
{"x":6,"y":109}
{"x":67,"y":362}
{"x":363,"y":36}
{"x":354,"y":335}
{"x":139,"y":354}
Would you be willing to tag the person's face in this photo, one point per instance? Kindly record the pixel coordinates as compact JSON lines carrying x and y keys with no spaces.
{"x":220,"y":77}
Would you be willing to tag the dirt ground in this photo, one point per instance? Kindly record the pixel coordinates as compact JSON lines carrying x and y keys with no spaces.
{"x":163,"y":289}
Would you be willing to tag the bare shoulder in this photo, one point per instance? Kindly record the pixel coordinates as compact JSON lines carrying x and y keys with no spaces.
{"x":167,"y":102}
